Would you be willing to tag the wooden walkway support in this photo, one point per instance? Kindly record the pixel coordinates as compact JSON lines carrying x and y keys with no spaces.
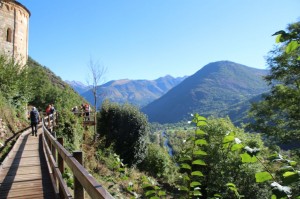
{"x":24,"y":173}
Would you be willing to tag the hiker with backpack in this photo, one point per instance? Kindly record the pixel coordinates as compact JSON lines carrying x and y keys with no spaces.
{"x":52,"y":110}
{"x":34,"y":119}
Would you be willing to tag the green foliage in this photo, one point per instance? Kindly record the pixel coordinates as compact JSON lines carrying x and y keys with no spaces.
{"x":68,"y":177}
{"x":46,"y":88}
{"x":291,"y":38}
{"x":36,"y":85}
{"x":278,"y":114}
{"x":13,"y":82}
{"x":234,"y":189}
{"x":70,"y":128}
{"x":191,"y":161}
{"x":220,"y":153}
{"x":158,"y":163}
{"x":285,"y":175}
{"x":263,"y":176}
{"x":120,"y":172}
{"x":126,"y":128}
{"x":151,"y":190}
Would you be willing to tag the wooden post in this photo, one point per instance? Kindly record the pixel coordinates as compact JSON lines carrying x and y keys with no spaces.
{"x":49,"y":144}
{"x":52,"y":147}
{"x":61,"y":166}
{"x":95,"y":125}
{"x":56,"y":117}
{"x":78,"y":188}
{"x":49,"y":122}
{"x":53,"y":151}
{"x":53,"y":119}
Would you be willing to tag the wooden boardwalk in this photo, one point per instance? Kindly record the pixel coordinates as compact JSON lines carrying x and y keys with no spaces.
{"x":24,"y":173}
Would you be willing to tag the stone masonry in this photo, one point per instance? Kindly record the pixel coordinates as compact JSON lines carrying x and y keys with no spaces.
{"x":14,"y":26}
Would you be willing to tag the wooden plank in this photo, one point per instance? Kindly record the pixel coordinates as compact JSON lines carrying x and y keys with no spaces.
{"x":20,"y":171}
{"x":25,"y":173}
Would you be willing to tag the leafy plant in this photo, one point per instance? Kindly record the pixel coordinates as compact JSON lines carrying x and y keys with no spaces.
{"x":285,"y":179}
{"x":151,"y":190}
{"x":191,"y":160}
{"x":291,"y":38}
{"x":223,"y":165}
{"x":68,"y":177}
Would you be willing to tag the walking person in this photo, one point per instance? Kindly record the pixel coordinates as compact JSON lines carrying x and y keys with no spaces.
{"x":48,"y":110}
{"x":52,"y":109}
{"x":34,"y":119}
{"x":87,"y":111}
{"x":48,"y":113}
{"x":75,"y":110}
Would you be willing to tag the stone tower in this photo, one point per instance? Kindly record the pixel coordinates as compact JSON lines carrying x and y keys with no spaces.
{"x":14,"y":26}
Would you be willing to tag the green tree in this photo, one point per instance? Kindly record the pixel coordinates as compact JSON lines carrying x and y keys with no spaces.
{"x":40,"y":85}
{"x":13,"y":81}
{"x":126,"y":128}
{"x":158,"y":163}
{"x":278,"y":114}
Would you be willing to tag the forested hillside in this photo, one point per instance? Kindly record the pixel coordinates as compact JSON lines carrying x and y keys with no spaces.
{"x":212,"y":90}
{"x":33,"y":85}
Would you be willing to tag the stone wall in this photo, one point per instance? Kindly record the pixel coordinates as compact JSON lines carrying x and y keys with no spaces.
{"x":14,"y":26}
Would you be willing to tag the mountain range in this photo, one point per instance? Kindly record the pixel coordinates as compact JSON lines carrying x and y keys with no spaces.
{"x":78,"y":86}
{"x":219,"y":89}
{"x":136,"y":92}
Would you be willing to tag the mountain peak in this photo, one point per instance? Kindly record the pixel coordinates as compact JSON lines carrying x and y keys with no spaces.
{"x":215,"y":87}
{"x":223,"y":66}
{"x":77,"y":83}
{"x":78,"y":86}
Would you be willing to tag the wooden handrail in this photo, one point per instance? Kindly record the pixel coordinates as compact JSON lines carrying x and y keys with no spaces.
{"x":56,"y":171}
{"x":88,"y":182}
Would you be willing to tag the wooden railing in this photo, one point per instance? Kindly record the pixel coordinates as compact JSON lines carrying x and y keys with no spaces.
{"x":57,"y":156}
{"x":86,"y":120}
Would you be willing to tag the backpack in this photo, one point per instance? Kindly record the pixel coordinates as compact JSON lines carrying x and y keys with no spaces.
{"x":48,"y":110}
{"x":34,"y":116}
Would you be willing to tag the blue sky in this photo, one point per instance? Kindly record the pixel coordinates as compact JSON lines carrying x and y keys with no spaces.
{"x":148,"y":39}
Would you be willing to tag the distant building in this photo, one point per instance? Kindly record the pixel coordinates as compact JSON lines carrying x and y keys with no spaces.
{"x":14,"y":27}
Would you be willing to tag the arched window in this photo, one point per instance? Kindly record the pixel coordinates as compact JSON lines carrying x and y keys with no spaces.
{"x":9,"y":35}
